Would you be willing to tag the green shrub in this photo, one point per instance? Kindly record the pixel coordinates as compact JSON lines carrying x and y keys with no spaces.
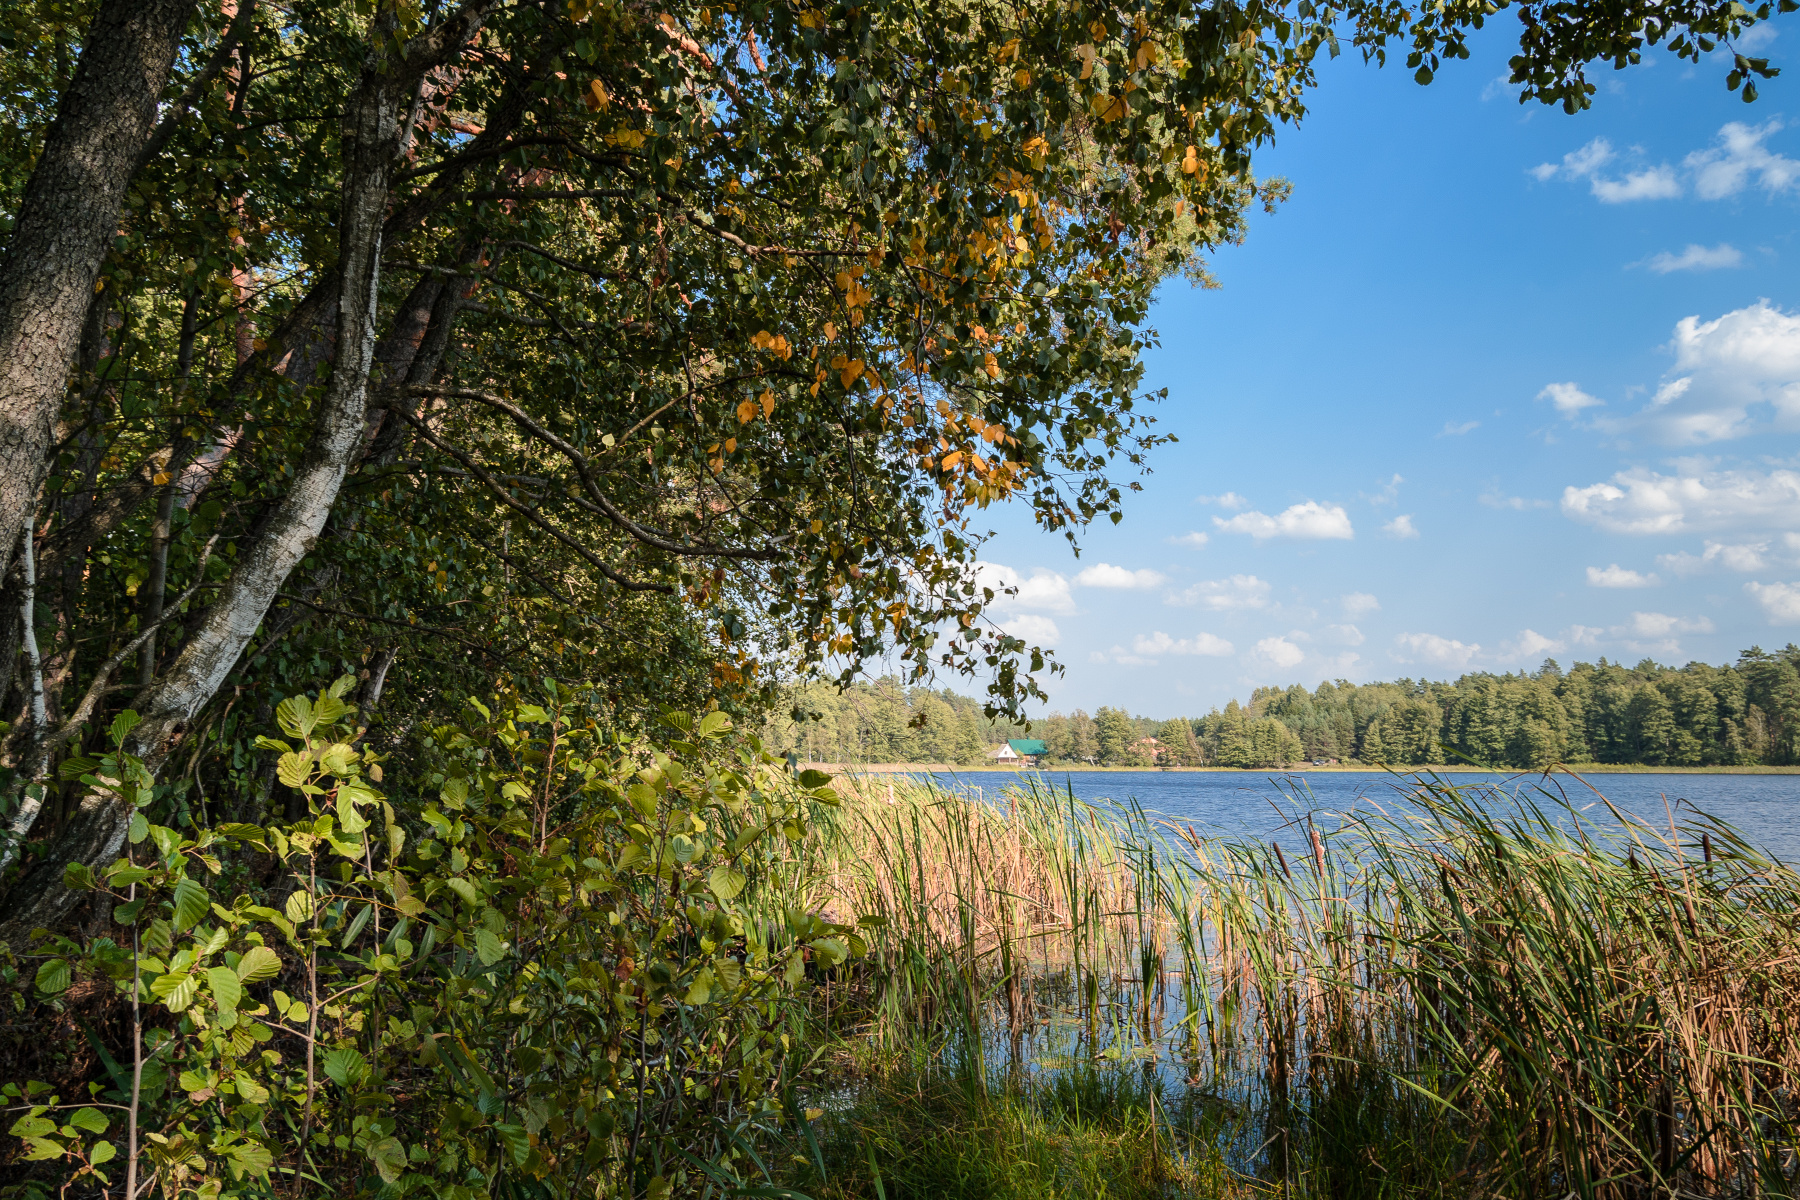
{"x":565,"y":967}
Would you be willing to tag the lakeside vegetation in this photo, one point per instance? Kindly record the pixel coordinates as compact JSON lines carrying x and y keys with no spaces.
{"x":1605,"y":714}
{"x":435,"y":437}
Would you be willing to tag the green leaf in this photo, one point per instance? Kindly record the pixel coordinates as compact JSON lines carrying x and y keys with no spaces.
{"x":103,"y":1152}
{"x":389,"y":1157}
{"x":54,"y":976}
{"x":293,"y":769}
{"x":810,"y":778}
{"x":122,"y":725}
{"x":328,"y":708}
{"x":31,"y":1127}
{"x":75,"y":766}
{"x":714,"y":723}
{"x":295,"y":716}
{"x":516,"y":1139}
{"x":250,"y":1090}
{"x":191,"y":903}
{"x":700,"y":991}
{"x":176,"y":989}
{"x":252,"y":1158}
{"x":488,"y":947}
{"x":259,"y":963}
{"x":345,"y":1066}
{"x":139,"y":829}
{"x":342,"y":686}
{"x":90,"y":1119}
{"x":299,"y":906}
{"x":465,"y":889}
{"x":275,"y":744}
{"x":726,"y":882}
{"x":227,"y":991}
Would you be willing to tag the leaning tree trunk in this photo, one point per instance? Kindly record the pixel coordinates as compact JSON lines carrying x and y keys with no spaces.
{"x":96,"y":833}
{"x":68,"y":215}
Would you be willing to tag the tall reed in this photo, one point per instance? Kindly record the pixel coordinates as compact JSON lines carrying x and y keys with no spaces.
{"x":1464,"y":989}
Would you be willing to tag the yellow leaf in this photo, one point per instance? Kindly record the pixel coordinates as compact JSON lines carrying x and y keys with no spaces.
{"x":161,"y":478}
{"x":1022,"y":78}
{"x":951,"y":459}
{"x":1109,"y":108}
{"x":596,"y":96}
{"x":730,"y":445}
{"x":1086,"y":54}
{"x":818,"y":526}
{"x":830,"y":331}
{"x":991,"y":366}
{"x":768,"y":404}
{"x":746,"y":412}
{"x":812,"y":18}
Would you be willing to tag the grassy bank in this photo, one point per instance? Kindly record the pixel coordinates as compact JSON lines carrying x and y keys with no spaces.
{"x":1451,"y":995}
{"x":1297,"y":769}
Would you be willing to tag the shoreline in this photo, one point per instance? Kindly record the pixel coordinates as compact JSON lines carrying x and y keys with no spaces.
{"x":1296,"y":769}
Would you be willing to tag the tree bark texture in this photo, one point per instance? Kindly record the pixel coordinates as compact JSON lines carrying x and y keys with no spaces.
{"x":96,"y":832}
{"x":68,"y":215}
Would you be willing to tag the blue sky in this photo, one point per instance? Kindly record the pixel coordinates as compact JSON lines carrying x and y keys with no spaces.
{"x":1496,"y":384}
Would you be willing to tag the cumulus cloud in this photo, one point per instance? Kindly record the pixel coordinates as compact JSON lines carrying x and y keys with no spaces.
{"x":1034,"y":629}
{"x":1434,"y":651}
{"x":1105,"y":575}
{"x":1781,"y":601}
{"x":1697,"y":258}
{"x":1747,"y":556}
{"x":1193,"y":538}
{"x":1204,"y":645}
{"x":1308,"y":519}
{"x":1531,"y":645}
{"x":1400,"y":527}
{"x":1279,"y":652}
{"x":1568,"y":398}
{"x":1497,"y":499}
{"x":1741,"y":159}
{"x":1660,"y":625}
{"x":1041,"y":590}
{"x":1356,"y":604}
{"x":1225,"y":595}
{"x":1641,"y":500}
{"x":1457,"y":429}
{"x":1616,"y":576}
{"x":1589,"y":163}
{"x":1230,"y":501}
{"x":1349,"y":635}
{"x":1735,"y":375}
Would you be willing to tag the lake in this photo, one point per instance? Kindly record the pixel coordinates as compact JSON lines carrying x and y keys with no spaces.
{"x":1765,"y":808}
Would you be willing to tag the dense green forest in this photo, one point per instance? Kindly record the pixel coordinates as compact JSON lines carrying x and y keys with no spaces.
{"x":1745,"y":714}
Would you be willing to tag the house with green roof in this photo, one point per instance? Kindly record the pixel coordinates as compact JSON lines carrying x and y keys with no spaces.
{"x":1025,"y":751}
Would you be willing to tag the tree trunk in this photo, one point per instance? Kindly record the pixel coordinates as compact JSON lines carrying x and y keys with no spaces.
{"x":69,"y":213}
{"x":96,"y":831}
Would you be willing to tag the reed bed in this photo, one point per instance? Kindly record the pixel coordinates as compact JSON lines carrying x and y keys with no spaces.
{"x":1463,"y":991}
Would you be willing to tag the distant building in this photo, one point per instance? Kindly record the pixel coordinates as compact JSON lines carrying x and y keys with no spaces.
{"x":1006,"y":754}
{"x":1027,"y":750}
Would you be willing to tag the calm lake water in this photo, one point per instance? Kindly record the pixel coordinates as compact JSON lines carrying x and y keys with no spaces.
{"x":1765,"y":808}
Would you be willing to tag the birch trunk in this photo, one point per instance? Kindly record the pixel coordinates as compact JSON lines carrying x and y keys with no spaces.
{"x":96,"y":832}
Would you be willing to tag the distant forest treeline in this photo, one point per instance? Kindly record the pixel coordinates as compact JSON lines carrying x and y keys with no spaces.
{"x":1745,"y":714}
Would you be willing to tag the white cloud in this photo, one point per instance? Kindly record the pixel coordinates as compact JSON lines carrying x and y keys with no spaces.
{"x":1280,"y":652}
{"x":1652,"y":183}
{"x":1435,"y":651}
{"x":1780,"y":600}
{"x":1193,"y":538}
{"x":1357,"y":604}
{"x":1229,"y":501}
{"x":1458,"y":429}
{"x":1105,"y":575}
{"x":1739,"y":159}
{"x":1583,"y":635}
{"x":1645,"y":501}
{"x":1224,"y":595}
{"x":1400,"y":527}
{"x":1032,"y":628}
{"x":1308,"y":519}
{"x":1568,"y":398}
{"x":1531,"y":645}
{"x":1729,"y":372}
{"x":1660,"y":625}
{"x":1495,"y":499}
{"x":1697,"y":258}
{"x":1616,"y":576}
{"x":1204,"y":645}
{"x":1349,"y":635}
{"x":1748,"y":556}
{"x":1387,"y":493}
{"x":1042,"y":590}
